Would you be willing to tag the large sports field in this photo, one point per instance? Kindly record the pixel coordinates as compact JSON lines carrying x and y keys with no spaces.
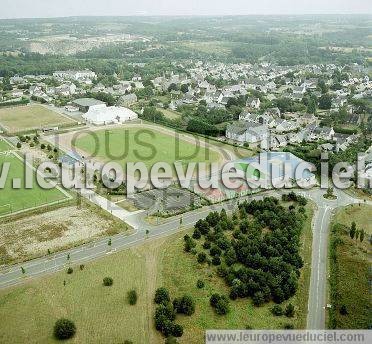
{"x":133,"y":144}
{"x":12,"y":200}
{"x":23,"y":118}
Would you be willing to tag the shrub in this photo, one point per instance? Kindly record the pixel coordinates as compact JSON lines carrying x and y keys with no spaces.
{"x":19,"y":144}
{"x":343,"y":310}
{"x":70,"y":271}
{"x":200,"y":284}
{"x":220,"y":303}
{"x":277,"y":310}
{"x":184,"y":305}
{"x":289,"y":311}
{"x":207,"y":245}
{"x":108,"y":281}
{"x":196,"y":234}
{"x":202,"y":257}
{"x":216,"y":260}
{"x":64,"y":329}
{"x":82,"y":266}
{"x":258,"y":299}
{"x":132,"y":297}
{"x":42,"y":146}
{"x":161,"y":296}
{"x":177,"y":330}
{"x":288,"y":327}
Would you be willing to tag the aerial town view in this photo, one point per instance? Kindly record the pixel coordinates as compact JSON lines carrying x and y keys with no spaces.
{"x":185,"y":173}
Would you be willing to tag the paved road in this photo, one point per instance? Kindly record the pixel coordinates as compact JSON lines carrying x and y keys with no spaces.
{"x":143,"y":231}
{"x":319,"y":275}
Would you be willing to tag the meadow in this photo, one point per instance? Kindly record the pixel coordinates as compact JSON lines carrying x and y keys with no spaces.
{"x":12,"y":200}
{"x":133,"y":144}
{"x":30,"y":117}
{"x":349,"y":281}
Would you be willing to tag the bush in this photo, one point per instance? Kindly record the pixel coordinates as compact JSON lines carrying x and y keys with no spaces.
{"x":184,"y":305}
{"x":220,"y":303}
{"x":258,"y":299}
{"x":289,"y":311}
{"x":82,"y":266}
{"x":202,"y":257}
{"x":19,"y":144}
{"x":288,"y":327}
{"x":277,"y":310}
{"x":132,"y":297}
{"x":70,"y":271}
{"x":42,"y":146}
{"x":177,"y":330}
{"x":200,"y":284}
{"x":64,"y":329}
{"x":161,"y":296}
{"x":216,"y":260}
{"x":343,"y":310}
{"x":207,"y":245}
{"x":196,"y":234}
{"x":108,"y":281}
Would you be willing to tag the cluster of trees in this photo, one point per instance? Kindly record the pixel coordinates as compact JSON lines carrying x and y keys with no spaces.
{"x":165,"y":312}
{"x":220,"y":303}
{"x":261,"y":264}
{"x":355,"y":233}
{"x":293,"y":197}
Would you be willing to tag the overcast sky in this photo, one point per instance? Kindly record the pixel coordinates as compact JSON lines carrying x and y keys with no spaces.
{"x":62,"y":8}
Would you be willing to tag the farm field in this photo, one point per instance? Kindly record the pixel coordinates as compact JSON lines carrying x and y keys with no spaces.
{"x":4,"y":146}
{"x":97,"y":310}
{"x":12,"y":200}
{"x":25,"y":118}
{"x":30,"y":235}
{"x":142,"y":144}
{"x":350,"y":278}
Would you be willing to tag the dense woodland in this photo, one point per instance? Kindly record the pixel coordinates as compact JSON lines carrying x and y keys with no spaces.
{"x":256,"y":250}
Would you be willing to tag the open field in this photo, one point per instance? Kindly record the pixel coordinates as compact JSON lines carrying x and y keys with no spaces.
{"x":25,"y":118}
{"x":103,"y":314}
{"x":134,"y":144}
{"x":32,"y":234}
{"x":170,"y":114}
{"x":4,"y":146}
{"x":361,"y":215}
{"x":12,"y":200}
{"x":349,"y":266}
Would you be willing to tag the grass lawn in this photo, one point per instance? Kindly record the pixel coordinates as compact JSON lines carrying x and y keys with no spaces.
{"x":146,"y":145}
{"x":4,"y":146}
{"x":24,"y":118}
{"x":102,"y":314}
{"x":18,"y":199}
{"x":350,"y":278}
{"x":170,"y":114}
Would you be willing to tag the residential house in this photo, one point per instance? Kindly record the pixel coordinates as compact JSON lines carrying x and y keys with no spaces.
{"x":247,"y":132}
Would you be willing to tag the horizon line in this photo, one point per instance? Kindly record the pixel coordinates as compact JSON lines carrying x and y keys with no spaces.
{"x":144,"y":15}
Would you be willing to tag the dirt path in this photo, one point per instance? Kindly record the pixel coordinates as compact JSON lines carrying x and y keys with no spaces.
{"x":151,"y":252}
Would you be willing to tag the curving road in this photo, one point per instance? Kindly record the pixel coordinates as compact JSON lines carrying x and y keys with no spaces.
{"x":12,"y":275}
